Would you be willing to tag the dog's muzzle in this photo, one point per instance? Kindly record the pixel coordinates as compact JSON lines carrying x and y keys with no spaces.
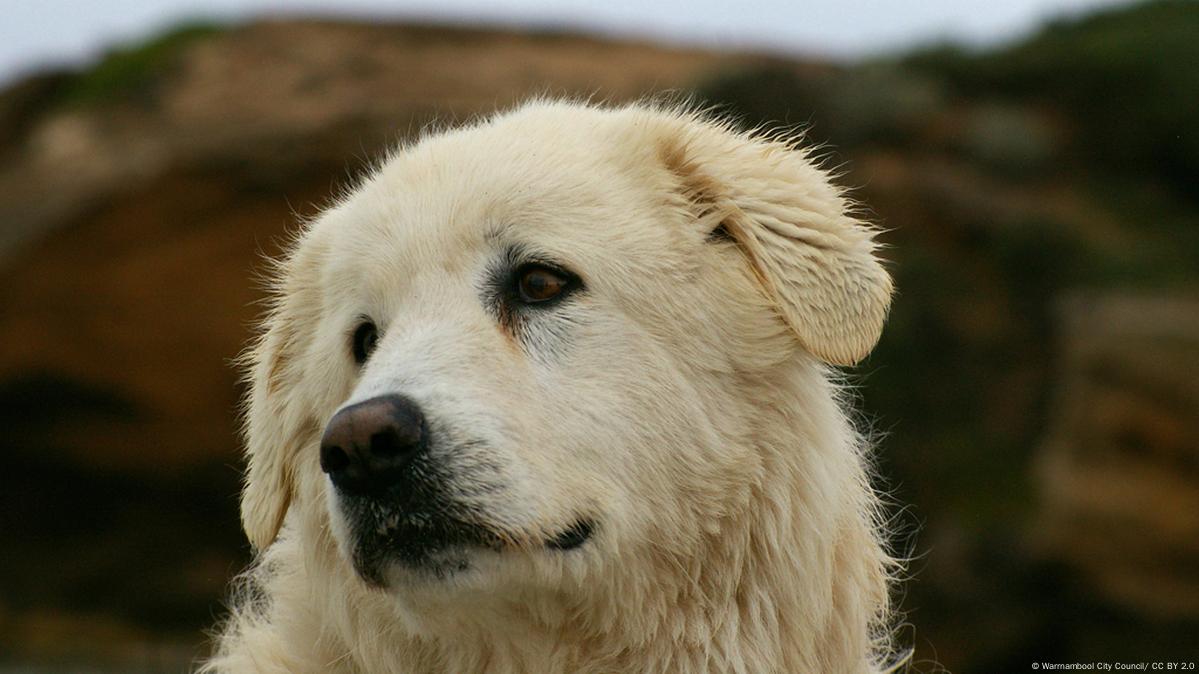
{"x":390,"y":492}
{"x":400,"y":501}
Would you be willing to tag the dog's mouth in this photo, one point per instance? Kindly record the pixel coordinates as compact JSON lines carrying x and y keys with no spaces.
{"x":440,"y":548}
{"x":439,"y":545}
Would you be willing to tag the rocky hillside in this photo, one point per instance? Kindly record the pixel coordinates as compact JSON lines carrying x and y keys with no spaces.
{"x":1031,"y":392}
{"x":137,"y":199}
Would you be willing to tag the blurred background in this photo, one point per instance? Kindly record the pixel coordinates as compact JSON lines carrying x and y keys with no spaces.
{"x":1035,"y":165}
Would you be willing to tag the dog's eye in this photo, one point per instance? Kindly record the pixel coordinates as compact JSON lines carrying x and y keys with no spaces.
{"x":366,"y":336}
{"x":536,"y":283}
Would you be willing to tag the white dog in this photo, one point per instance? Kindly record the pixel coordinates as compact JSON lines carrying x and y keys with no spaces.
{"x":551,"y":393}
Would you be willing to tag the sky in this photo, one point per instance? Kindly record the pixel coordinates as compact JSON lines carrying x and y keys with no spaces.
{"x":39,"y":33}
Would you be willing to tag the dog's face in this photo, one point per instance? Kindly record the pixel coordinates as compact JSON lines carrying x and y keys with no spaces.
{"x":521,"y":349}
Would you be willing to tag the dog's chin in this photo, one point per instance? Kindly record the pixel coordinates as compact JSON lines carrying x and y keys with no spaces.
{"x":384,"y":556}
{"x":444,"y":552}
{"x":456,"y":564}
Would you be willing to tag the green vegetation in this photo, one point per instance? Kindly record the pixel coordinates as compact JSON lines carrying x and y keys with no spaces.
{"x":869,"y":103}
{"x":132,"y":72}
{"x":1125,"y":76}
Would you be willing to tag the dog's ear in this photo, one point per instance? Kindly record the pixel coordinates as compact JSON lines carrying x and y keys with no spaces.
{"x":816,"y":263}
{"x":276,"y":425}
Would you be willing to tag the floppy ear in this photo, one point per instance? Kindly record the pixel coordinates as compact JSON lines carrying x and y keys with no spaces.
{"x":276,"y":425}
{"x":815,"y":262}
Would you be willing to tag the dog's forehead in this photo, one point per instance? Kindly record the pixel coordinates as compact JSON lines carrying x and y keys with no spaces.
{"x":538,"y":174}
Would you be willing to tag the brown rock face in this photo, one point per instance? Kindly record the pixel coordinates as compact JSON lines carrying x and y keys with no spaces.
{"x":1120,"y":472}
{"x":131,"y":230}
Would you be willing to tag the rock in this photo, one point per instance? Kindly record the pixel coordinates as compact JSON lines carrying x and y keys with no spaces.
{"x":1119,"y":473}
{"x":132,"y":227}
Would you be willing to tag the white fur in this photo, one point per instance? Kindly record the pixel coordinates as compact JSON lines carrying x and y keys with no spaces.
{"x":683,"y":399}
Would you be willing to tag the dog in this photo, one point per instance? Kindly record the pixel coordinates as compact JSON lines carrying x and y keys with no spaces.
{"x":555,"y":392}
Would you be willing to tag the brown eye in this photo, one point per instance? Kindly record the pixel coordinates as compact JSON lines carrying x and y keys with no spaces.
{"x":362,"y":344}
{"x":539,"y":284}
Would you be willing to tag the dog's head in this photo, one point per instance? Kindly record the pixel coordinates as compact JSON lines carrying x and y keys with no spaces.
{"x":526,"y":344}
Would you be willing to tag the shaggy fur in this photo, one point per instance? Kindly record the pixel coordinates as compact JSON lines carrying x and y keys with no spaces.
{"x":682,"y":399}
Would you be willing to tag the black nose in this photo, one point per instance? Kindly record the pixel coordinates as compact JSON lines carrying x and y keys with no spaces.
{"x":367,"y":445}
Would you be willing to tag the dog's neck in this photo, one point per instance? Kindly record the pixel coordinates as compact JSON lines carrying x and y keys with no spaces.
{"x":792,"y":580}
